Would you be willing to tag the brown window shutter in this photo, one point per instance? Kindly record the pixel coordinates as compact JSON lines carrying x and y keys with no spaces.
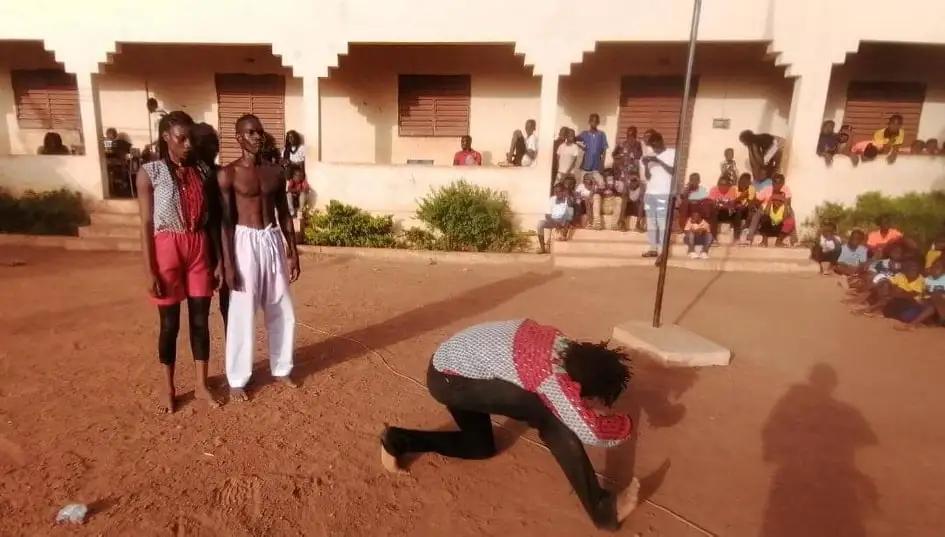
{"x":46,"y":99}
{"x":654,"y":102}
{"x":260,"y":95}
{"x":433,"y":105}
{"x":869,"y":105}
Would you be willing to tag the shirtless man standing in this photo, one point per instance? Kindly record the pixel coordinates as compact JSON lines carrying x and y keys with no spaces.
{"x":259,"y":264}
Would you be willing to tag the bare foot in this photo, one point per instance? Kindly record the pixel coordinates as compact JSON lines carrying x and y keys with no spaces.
{"x":904,"y":327}
{"x":201,"y":393}
{"x":287,"y":381}
{"x":628,"y":499}
{"x":169,"y":405}
{"x":238,"y":394}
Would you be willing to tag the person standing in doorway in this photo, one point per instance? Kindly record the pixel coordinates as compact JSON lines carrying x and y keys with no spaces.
{"x":594,"y":143}
{"x":172,"y":196}
{"x":260,"y":259}
{"x":660,"y":165}
{"x":155,"y":113}
{"x":531,"y":143}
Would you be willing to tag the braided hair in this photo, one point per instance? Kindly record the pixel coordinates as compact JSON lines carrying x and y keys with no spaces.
{"x":172,"y":119}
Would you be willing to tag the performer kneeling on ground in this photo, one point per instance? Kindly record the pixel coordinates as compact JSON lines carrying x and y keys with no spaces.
{"x":532,"y":373}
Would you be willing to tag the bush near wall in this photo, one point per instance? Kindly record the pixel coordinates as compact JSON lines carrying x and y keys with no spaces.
{"x":56,"y":212}
{"x":469,"y":217}
{"x":921,"y":216}
{"x":345,"y":225}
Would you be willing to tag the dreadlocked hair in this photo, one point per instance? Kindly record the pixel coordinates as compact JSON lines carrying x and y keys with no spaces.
{"x":172,"y":119}
{"x":602,"y":373}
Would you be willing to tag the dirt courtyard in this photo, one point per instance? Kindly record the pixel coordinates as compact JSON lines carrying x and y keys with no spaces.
{"x":824,"y":425}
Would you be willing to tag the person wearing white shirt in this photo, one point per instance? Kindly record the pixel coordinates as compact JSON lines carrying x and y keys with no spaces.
{"x":531,"y":143}
{"x":568,"y":154}
{"x":659,"y":170}
{"x":560,"y":213}
{"x":294,"y":150}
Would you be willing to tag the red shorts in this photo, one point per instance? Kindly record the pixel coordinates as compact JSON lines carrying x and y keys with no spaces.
{"x":183,"y":266}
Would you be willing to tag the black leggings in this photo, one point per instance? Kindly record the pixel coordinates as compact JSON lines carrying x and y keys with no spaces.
{"x":198,"y":312}
{"x":471,"y":401}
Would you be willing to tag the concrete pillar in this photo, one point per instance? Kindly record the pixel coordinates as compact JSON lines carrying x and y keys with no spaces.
{"x":312,"y":119}
{"x":547,"y":123}
{"x":805,"y":170}
{"x":91,"y":119}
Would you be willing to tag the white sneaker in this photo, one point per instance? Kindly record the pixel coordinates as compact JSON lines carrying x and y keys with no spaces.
{"x":698,"y":249}
{"x":704,"y":255}
{"x":693,"y":255}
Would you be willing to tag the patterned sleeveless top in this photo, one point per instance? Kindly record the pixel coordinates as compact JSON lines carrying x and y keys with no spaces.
{"x":180,"y":204}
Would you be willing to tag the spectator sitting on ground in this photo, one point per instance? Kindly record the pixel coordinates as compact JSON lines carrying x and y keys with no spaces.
{"x":935,"y":251}
{"x":826,"y":251}
{"x":853,"y":255}
{"x":931,"y":147}
{"x":568,"y":153}
{"x":725,"y":207}
{"x":877,"y":240}
{"x":917,"y":147}
{"x":877,"y":272}
{"x":729,"y":167}
{"x":828,"y":141}
{"x":584,"y":194}
{"x":467,"y":156}
{"x":559,"y":216}
{"x":52,"y":145}
{"x":777,"y":187}
{"x":932,"y":307}
{"x":692,"y":198}
{"x":294,"y":150}
{"x":905,"y":291}
{"x":889,"y":140}
{"x":594,"y":143}
{"x":297,"y":187}
{"x":698,"y":236}
{"x":764,"y":151}
{"x":776,"y":221}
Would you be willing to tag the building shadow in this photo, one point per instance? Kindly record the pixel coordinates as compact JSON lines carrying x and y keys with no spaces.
{"x":334,"y":350}
{"x":812,"y":438}
{"x":654,"y":394}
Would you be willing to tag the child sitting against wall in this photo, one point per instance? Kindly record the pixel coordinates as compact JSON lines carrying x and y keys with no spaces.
{"x":853,"y":255}
{"x":902,"y":301}
{"x":826,"y":251}
{"x":698,"y":235}
{"x":297,"y":187}
{"x":776,"y":220}
{"x":584,"y":195}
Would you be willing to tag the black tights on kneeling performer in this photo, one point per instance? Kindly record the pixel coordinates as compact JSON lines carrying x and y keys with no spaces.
{"x":471,"y":401}
{"x":198,"y":313}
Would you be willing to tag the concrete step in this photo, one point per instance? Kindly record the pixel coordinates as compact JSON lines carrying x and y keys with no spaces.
{"x":102,"y":231}
{"x":116,"y":206}
{"x":636,"y":248}
{"x":110,"y":219}
{"x":716,"y":264}
{"x":112,"y":244}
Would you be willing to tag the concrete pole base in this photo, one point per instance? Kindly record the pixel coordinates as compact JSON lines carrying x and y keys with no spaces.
{"x":671,"y":345}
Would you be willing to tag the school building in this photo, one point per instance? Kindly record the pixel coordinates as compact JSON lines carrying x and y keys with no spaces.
{"x":381,"y":91}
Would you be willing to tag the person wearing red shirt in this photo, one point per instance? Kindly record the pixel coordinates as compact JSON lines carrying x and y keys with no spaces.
{"x":467,"y":156}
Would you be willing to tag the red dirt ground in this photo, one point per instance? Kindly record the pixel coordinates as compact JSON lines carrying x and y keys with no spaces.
{"x":755,"y":449}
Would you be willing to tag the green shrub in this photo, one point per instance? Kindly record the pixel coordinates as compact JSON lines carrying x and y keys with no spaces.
{"x":920,"y":216}
{"x":470,"y":217}
{"x":417,"y":238}
{"x":345,"y":225}
{"x":56,"y":212}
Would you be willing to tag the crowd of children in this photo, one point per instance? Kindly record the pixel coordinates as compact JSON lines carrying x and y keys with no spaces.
{"x":614,"y":198}
{"x":885,"y":273}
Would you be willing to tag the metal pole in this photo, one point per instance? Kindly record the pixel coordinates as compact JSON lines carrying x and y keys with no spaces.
{"x":677,"y":172}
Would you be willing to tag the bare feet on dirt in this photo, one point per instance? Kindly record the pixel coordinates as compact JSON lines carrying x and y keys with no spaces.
{"x":202,"y":393}
{"x":168,"y":404}
{"x":238,"y":394}
{"x":287,"y":381}
{"x":628,"y":499}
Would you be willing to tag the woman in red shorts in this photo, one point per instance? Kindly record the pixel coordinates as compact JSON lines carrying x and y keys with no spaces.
{"x":173,"y":199}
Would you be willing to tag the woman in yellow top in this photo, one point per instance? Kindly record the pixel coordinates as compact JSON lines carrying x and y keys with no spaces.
{"x":889,"y":139}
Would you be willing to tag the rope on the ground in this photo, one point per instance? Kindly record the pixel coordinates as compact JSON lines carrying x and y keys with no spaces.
{"x":423,"y":387}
